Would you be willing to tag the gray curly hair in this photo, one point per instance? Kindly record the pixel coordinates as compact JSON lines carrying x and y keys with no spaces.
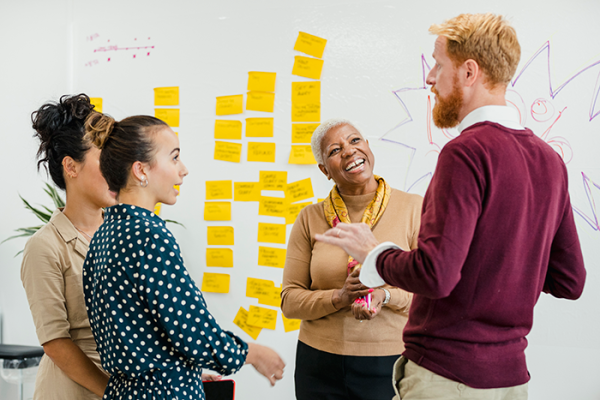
{"x":321,"y":131}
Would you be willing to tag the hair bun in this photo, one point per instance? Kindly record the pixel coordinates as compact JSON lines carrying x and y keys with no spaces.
{"x":98,"y":128}
{"x":54,"y":117}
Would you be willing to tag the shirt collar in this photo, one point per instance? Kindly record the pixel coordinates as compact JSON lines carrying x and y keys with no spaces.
{"x":502,"y":115}
{"x":63,"y":225}
{"x":128,"y":211}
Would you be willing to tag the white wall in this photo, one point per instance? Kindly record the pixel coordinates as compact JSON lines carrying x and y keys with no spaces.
{"x":373,"y":49}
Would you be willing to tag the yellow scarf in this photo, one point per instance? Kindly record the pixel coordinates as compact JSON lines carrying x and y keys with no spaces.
{"x":336,"y":211}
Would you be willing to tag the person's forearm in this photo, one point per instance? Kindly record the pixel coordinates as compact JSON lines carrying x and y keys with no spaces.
{"x":306,"y":304}
{"x":76,"y":365}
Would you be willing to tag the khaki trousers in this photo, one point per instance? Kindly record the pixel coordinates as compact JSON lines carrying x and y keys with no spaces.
{"x":413,"y":382}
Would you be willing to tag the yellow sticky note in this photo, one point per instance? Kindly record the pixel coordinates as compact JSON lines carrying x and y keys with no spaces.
{"x":261,"y":152}
{"x":228,"y":105}
{"x":227,"y":151}
{"x":310,"y":44}
{"x":217,"y":211}
{"x":258,"y":288}
{"x":299,"y":190}
{"x":262,"y":317}
{"x":178,"y":188}
{"x":271,"y":257}
{"x":157,"y":208}
{"x":273,"y":180}
{"x":301,"y":154}
{"x":302,"y":133}
{"x":219,"y":258}
{"x":272,"y":206}
{"x":273,"y":299}
{"x":240,"y":320}
{"x":215,"y":283}
{"x":306,"y":92}
{"x":306,"y":112}
{"x":219,"y":235}
{"x":246,"y":191}
{"x":290,"y":325}
{"x":166,"y":96}
{"x":228,"y":129}
{"x":218,"y":190}
{"x":293,"y":210}
{"x":307,"y":67}
{"x":169,"y":115}
{"x":260,"y":101}
{"x":259,"y":127}
{"x":97,"y":103}
{"x":261,"y":81}
{"x":271,"y":233}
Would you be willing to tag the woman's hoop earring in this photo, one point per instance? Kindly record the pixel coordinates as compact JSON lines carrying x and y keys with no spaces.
{"x":144,"y":182}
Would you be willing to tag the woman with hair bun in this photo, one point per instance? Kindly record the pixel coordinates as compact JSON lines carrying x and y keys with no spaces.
{"x":53,"y":256}
{"x":149,"y":318}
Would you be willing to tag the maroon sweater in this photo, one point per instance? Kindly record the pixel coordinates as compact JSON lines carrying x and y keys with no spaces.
{"x":496,"y":230}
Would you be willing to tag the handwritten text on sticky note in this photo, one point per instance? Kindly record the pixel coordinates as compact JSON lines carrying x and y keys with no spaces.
{"x":262,"y":317}
{"x":219,"y":235}
{"x":241,"y":320}
{"x":301,"y":154}
{"x":261,"y":152}
{"x":273,"y":180}
{"x":218,"y":190}
{"x":302,"y":133}
{"x":228,"y":129}
{"x":219,"y":258}
{"x":272,"y":206}
{"x":260,"y":101}
{"x":228,"y":105}
{"x":306,"y":92}
{"x":169,"y":115}
{"x":217,"y":211}
{"x":166,"y":96}
{"x":307,"y":67}
{"x":261,"y":81}
{"x":271,"y":257}
{"x":271,"y":233}
{"x":259,"y":127}
{"x":227,"y":151}
{"x":215,"y":283}
{"x":246,"y":191}
{"x":310,"y":44}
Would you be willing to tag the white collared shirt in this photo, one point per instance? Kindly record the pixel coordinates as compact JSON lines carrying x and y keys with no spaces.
{"x":502,"y":115}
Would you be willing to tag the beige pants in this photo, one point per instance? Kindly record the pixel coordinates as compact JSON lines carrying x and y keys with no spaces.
{"x":413,"y":382}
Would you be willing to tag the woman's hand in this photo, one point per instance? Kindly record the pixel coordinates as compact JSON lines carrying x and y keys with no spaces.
{"x":351,"y":291}
{"x":266,"y":361}
{"x":211,"y":377}
{"x":361,"y":311}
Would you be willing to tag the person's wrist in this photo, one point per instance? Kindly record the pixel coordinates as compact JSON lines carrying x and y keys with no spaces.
{"x":386,"y":296}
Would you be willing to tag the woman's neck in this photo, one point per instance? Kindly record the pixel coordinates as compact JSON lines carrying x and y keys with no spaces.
{"x":137,"y":198}
{"x":369,"y":187}
{"x":84,"y":215}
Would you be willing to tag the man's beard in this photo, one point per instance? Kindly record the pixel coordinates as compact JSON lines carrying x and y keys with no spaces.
{"x":446,"y":109}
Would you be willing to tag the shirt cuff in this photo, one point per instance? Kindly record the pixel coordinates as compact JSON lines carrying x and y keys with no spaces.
{"x":369,"y":276}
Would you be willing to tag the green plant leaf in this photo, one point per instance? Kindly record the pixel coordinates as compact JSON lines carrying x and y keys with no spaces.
{"x":44,"y":217}
{"x":53,"y":193}
{"x":174,"y":222}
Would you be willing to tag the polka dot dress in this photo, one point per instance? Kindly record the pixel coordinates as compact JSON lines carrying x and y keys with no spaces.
{"x":153,"y":331}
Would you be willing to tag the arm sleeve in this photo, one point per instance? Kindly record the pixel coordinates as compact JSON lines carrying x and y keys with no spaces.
{"x":177,"y":305}
{"x":450,"y":211}
{"x":297,"y":299}
{"x":44,"y":284}
{"x":566,"y":273}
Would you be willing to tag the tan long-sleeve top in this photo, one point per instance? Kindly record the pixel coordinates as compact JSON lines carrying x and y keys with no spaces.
{"x":314,"y":270}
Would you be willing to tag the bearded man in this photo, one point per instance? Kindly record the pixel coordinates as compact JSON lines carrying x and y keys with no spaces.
{"x":497,"y":229}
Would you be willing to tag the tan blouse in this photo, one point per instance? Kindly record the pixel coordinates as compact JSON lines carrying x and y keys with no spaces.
{"x":314,"y":270}
{"x":51,"y":275}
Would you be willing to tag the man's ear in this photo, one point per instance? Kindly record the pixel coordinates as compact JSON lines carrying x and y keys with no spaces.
{"x":471,"y":72}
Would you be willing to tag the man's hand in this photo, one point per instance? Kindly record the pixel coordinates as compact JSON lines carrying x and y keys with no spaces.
{"x":356,"y":239}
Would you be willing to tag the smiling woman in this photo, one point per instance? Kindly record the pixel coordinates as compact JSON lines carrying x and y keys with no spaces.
{"x":346,"y":327}
{"x":148,"y":317}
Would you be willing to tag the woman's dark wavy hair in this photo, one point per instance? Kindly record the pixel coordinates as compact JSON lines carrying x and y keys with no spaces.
{"x":60,"y":129}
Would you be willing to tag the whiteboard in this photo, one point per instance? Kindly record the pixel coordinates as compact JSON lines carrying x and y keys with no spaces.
{"x":375,"y":61}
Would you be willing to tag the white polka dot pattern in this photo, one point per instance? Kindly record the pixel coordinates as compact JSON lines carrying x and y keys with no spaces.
{"x":153,"y":331}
